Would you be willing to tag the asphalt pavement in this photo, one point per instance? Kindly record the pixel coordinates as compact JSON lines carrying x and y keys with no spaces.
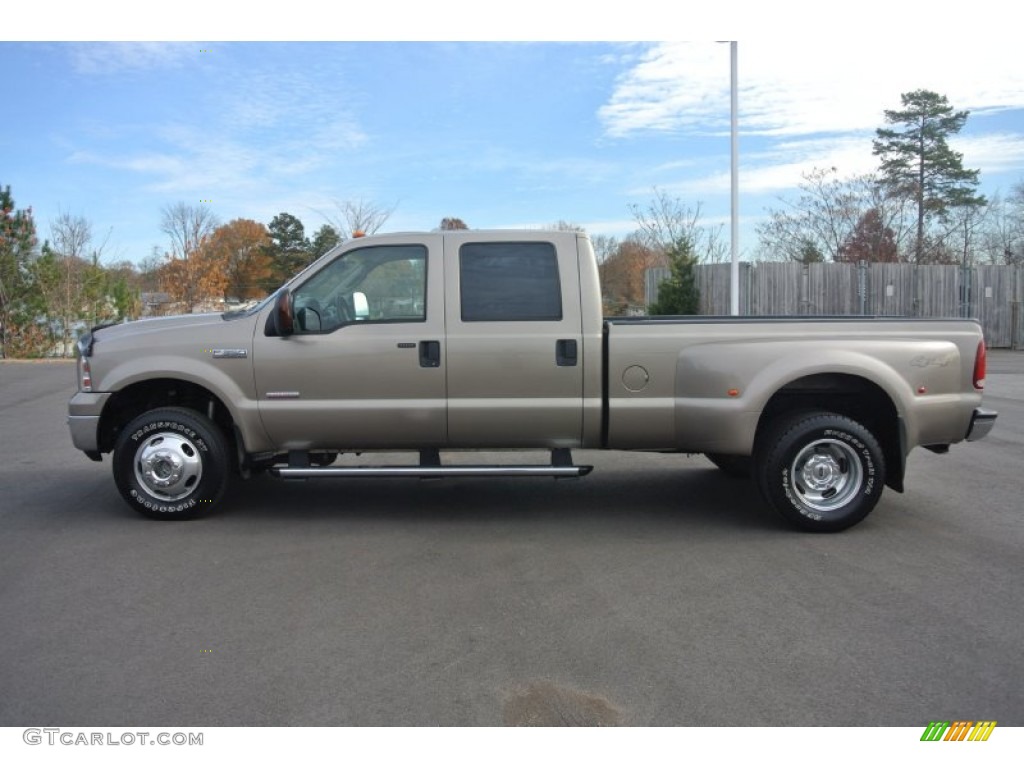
{"x":656,"y":591}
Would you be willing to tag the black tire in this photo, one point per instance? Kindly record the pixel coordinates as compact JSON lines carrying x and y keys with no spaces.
{"x":821,"y":471}
{"x":734,"y":466}
{"x":171,"y":464}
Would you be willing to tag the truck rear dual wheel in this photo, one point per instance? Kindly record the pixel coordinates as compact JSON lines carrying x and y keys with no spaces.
{"x":821,"y":471}
{"x":171,"y":464}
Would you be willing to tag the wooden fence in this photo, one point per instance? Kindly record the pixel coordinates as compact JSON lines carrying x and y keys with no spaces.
{"x":992,"y":294}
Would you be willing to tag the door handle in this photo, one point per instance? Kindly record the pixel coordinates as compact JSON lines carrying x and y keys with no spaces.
{"x":565,"y":352}
{"x":430,"y":354}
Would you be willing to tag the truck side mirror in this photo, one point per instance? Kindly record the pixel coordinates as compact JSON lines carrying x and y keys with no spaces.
{"x":360,"y":305}
{"x":284,"y":314}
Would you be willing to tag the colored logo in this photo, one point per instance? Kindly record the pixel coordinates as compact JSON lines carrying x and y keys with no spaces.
{"x":959,"y":730}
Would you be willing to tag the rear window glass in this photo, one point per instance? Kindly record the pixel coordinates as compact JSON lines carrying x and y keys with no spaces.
{"x":509,"y":281}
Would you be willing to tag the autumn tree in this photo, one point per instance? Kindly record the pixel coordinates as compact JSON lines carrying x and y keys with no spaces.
{"x":240,"y":250}
{"x":623,"y":274}
{"x":870,"y":240}
{"x":916,"y":161}
{"x":17,"y":247}
{"x":188,"y":274}
{"x":449,"y":223}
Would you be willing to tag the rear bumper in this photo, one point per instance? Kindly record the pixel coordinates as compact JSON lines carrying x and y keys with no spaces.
{"x":982,"y":421}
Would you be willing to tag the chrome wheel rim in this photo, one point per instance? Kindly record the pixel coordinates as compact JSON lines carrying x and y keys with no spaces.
{"x":168,"y":466}
{"x":827,"y":475}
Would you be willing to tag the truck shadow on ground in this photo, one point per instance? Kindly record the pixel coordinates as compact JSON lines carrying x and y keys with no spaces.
{"x":698,"y":498}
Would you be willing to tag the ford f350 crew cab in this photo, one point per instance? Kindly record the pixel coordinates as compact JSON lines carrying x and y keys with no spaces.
{"x":442,"y":341}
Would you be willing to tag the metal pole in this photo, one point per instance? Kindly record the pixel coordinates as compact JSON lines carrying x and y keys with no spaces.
{"x":734,"y":298}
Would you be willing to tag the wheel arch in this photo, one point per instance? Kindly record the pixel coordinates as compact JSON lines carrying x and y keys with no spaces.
{"x":149,"y":394}
{"x":850,"y":395}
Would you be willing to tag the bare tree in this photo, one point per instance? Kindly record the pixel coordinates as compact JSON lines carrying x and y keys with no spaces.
{"x":667,"y":221}
{"x":963,"y":230}
{"x":185,"y":275}
{"x":358,"y":216}
{"x":70,"y":237}
{"x":149,"y":270}
{"x":604,"y":246}
{"x":75,"y":288}
{"x":187,"y":226}
{"x":1002,"y":237}
{"x":566,"y":226}
{"x":1014,"y":251}
{"x":824,"y":219}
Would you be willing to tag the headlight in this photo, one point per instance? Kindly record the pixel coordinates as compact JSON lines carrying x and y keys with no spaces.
{"x":84,"y":375}
{"x":84,"y":347}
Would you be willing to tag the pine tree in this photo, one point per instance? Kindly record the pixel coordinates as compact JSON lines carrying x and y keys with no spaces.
{"x":17,"y":246}
{"x":325,"y":238}
{"x":290,"y":251}
{"x":917,"y":162}
{"x":678,"y":294}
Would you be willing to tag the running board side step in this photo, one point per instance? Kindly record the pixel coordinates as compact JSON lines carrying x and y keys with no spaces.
{"x":430,"y":466}
{"x":541,"y":470}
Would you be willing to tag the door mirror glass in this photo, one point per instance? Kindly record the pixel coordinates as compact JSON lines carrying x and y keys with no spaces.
{"x":308,"y":318}
{"x":360,"y":305}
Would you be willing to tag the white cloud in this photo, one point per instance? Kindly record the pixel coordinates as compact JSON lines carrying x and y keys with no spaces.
{"x":674,"y":86}
{"x":114,"y":58}
{"x":800,"y":87}
{"x":995,"y":152}
{"x":808,"y":104}
{"x":253,"y":129}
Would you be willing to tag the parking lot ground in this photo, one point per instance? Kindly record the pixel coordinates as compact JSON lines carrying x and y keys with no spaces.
{"x":654,"y":592}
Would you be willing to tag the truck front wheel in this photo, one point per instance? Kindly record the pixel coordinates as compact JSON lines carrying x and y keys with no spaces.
{"x":171,"y":464}
{"x":821,"y":471}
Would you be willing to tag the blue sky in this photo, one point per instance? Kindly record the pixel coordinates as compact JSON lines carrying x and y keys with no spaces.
{"x":499,"y":134}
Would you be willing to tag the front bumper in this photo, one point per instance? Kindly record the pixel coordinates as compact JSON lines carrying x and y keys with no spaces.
{"x":982,"y":421}
{"x":84,"y":411}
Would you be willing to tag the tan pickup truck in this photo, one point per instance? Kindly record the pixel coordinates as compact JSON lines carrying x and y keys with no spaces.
{"x":442,"y":341}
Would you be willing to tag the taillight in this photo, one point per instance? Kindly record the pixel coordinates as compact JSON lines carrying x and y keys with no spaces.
{"x":979,"y":366}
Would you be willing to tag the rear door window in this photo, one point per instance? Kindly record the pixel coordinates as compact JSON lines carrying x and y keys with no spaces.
{"x":509,"y":282}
